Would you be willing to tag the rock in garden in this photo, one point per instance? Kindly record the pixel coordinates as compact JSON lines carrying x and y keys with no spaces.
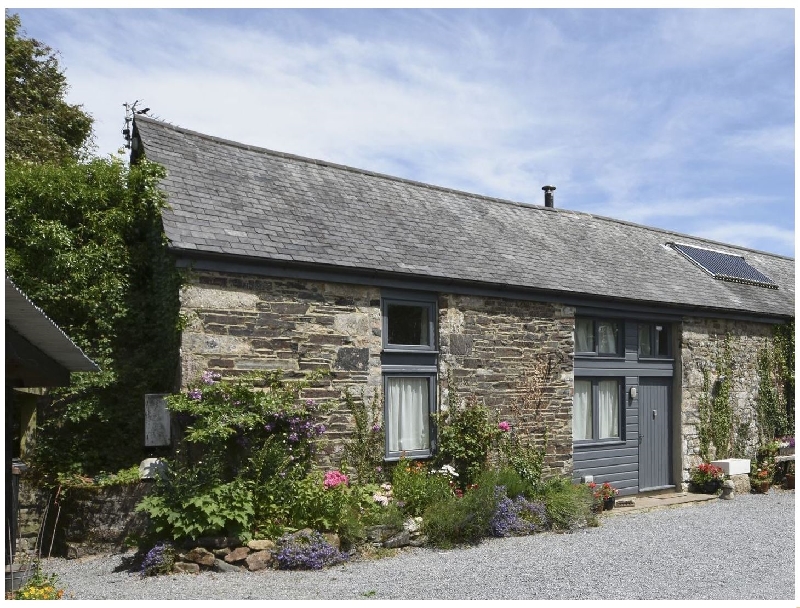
{"x":201,"y":556}
{"x":222,"y":566}
{"x":261,"y":545}
{"x":333,"y":540}
{"x":222,"y":552}
{"x":258,"y":561}
{"x":379,"y":533}
{"x":186,"y":568}
{"x":413,"y":525}
{"x":237,"y":555}
{"x":399,"y":540}
{"x":419,"y":541}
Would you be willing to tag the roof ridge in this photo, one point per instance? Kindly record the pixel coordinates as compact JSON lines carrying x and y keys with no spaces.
{"x":394,"y":178}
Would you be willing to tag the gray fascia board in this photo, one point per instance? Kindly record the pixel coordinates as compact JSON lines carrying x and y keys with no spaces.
{"x":588,"y":305}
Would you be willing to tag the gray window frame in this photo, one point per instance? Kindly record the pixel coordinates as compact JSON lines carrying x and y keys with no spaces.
{"x":422,"y":301}
{"x":620,"y":352}
{"x":412,"y":361}
{"x":667,"y":335}
{"x":391,"y":456}
{"x":595,"y":440}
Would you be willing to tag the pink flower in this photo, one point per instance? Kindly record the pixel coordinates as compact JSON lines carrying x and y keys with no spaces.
{"x":504,"y":426}
{"x":333,"y":479}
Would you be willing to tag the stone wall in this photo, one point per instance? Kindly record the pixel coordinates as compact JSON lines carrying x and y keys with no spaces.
{"x":491,"y":347}
{"x":80,"y":521}
{"x":239,"y":323}
{"x":702,"y":342}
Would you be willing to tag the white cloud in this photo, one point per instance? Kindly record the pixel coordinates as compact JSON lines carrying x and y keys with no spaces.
{"x":670,"y":117}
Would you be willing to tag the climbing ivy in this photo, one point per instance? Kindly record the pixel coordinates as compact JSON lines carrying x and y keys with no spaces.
{"x":715,"y":412}
{"x":775,"y":400}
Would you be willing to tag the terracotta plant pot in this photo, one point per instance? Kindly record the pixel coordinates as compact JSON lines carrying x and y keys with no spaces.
{"x":760,"y":487}
{"x":789,"y":481}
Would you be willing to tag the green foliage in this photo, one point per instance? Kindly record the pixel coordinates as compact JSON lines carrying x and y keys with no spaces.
{"x":456,"y":521}
{"x":526,"y":459}
{"x":416,"y":488}
{"x":223,"y":509}
{"x":466,"y":436}
{"x":783,"y":341}
{"x":314,"y":506}
{"x":511,"y":480}
{"x":363,"y":450}
{"x":40,"y":125}
{"x":248,"y":444}
{"x":715,"y":412}
{"x":85,"y":243}
{"x":775,"y":399}
{"x":568,"y":505}
{"x":123,"y":477}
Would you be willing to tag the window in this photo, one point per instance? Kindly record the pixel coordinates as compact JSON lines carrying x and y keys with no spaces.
{"x":408,"y":324}
{"x":653,"y":340}
{"x":596,"y":413}
{"x":410,"y":401}
{"x":597,"y":337}
{"x":409,"y":363}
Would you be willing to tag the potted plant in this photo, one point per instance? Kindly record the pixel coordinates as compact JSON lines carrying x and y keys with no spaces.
{"x":604,"y":494}
{"x":761,"y":480}
{"x":706,"y":478}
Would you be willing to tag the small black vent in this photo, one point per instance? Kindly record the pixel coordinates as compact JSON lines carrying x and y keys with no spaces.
{"x":725,"y":266}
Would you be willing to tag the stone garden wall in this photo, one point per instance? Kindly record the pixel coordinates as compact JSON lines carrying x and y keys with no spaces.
{"x":702,"y":343}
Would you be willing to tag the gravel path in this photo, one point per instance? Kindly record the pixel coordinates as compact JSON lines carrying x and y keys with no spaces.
{"x":720,"y":550}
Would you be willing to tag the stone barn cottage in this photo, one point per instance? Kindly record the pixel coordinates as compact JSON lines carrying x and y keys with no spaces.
{"x":402,"y":287}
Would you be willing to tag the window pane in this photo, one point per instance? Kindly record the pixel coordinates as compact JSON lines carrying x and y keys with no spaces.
{"x":607,"y":333}
{"x":584,"y":336}
{"x":608,"y":408}
{"x":407,"y":414}
{"x":645,"y":346}
{"x":662,"y":341}
{"x":582,"y":410}
{"x":408,"y":324}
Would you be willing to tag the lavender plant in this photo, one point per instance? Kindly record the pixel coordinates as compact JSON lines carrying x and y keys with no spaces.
{"x":308,"y":551}
{"x":159,"y":560}
{"x":517,"y":516}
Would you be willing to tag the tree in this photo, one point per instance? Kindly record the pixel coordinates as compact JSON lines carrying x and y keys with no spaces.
{"x":85,"y":242}
{"x":40,"y":125}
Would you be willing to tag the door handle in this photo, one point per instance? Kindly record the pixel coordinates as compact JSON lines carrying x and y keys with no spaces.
{"x":655,"y":413}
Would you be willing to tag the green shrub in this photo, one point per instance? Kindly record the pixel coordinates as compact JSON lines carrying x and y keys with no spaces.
{"x":416,"y":488}
{"x":568,"y":505}
{"x":224,"y":509}
{"x":317,"y":507}
{"x":363,"y":450}
{"x":507,"y":477}
{"x":456,"y":521}
{"x":466,"y":436}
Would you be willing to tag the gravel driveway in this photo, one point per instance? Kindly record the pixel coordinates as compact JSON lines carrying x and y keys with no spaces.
{"x":724,"y":550}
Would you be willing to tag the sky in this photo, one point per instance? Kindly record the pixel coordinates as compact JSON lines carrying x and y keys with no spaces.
{"x":681,"y":119}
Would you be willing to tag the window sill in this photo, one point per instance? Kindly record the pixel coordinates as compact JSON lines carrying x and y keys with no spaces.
{"x":657,"y":359}
{"x":408,"y":456}
{"x":596,"y":356}
{"x":416,"y":351}
{"x":599,"y":444}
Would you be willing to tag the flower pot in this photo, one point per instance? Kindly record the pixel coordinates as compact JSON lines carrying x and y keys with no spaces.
{"x":760,"y":487}
{"x":608,"y":503}
{"x":789,"y":477}
{"x":711,"y":487}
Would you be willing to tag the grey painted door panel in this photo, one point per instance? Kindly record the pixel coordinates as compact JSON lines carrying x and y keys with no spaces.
{"x":654,"y":424}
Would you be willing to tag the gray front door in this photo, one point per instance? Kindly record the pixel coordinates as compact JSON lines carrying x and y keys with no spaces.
{"x":654,"y":443}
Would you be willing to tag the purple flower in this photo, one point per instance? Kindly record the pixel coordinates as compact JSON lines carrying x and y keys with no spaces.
{"x":196,"y":394}
{"x":268,"y":427}
{"x":319,"y":429}
{"x":376,"y":428}
{"x":293,"y":437}
{"x":310,"y":403}
{"x":210,"y":377}
{"x":504,"y":426}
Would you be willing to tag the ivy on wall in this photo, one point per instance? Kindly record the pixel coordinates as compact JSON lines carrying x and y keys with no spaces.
{"x":715,"y":412}
{"x":775,"y":400}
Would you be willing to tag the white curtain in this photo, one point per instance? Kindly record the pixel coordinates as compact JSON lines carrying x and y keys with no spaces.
{"x":582,"y":410}
{"x":645,"y":347}
{"x":607,"y":337}
{"x":584,"y":336}
{"x":608,"y":407}
{"x":407,"y":413}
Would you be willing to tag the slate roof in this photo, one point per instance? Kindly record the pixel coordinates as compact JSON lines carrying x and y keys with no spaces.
{"x":238,"y":200}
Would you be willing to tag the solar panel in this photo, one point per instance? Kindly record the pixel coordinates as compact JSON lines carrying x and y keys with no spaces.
{"x":725,"y":266}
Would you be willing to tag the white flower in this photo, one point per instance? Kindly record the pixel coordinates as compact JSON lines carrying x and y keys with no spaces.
{"x":447,"y":470}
